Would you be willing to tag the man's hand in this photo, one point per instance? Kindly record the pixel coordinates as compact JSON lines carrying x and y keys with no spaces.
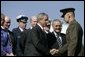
{"x":11,"y":54}
{"x":54,"y":52}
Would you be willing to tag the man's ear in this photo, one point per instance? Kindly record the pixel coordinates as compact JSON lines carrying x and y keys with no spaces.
{"x":69,"y":16}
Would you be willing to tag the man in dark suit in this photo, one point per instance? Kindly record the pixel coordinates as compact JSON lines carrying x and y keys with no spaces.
{"x":47,"y":27}
{"x":33,"y":21}
{"x":56,"y":38}
{"x":19,"y":48}
{"x":38,"y":45}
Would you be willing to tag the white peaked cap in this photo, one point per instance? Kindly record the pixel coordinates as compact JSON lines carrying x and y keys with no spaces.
{"x":18,"y":17}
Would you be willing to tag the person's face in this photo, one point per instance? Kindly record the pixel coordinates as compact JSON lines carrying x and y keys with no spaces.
{"x":33,"y":22}
{"x":7,"y":23}
{"x":47,"y":26}
{"x":44,"y":21}
{"x":2,"y":20}
{"x":22,"y":24}
{"x":67,"y":16}
{"x":57,"y":26}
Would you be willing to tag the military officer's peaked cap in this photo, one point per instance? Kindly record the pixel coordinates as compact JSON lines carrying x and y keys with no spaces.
{"x":22,"y":18}
{"x":66,"y":10}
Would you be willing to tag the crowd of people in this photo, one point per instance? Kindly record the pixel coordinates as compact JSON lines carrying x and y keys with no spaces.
{"x":38,"y":40}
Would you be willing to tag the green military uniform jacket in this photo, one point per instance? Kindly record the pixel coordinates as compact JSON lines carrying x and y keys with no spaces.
{"x":74,"y":35}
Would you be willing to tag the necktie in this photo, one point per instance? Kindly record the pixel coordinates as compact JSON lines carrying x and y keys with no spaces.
{"x":59,"y":41}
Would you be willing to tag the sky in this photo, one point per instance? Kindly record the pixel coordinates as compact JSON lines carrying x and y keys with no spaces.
{"x":31,"y":8}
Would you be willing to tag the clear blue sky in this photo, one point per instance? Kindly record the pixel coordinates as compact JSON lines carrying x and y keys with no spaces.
{"x":30,"y":8}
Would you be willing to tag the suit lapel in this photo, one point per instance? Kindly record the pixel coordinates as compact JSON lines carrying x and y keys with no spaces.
{"x":56,"y":43}
{"x":42,"y":33}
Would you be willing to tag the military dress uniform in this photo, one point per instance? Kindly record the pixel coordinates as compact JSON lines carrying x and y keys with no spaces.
{"x":74,"y":38}
{"x":74,"y":35}
{"x":17,"y":32}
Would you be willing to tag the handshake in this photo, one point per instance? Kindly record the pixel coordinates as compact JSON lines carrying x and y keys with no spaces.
{"x":54,"y":52}
{"x":11,"y":54}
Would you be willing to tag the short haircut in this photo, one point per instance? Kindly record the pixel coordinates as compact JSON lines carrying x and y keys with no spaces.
{"x":7,"y":18}
{"x":73,"y":14}
{"x":41,"y":15}
{"x":2,"y":16}
{"x":33,"y":18}
{"x":56,"y":20}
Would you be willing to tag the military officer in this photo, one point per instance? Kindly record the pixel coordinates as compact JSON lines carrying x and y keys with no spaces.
{"x":74,"y":33}
{"x":22,"y":20}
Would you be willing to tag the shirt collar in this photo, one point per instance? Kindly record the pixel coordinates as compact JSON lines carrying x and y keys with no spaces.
{"x":21,"y":29}
{"x":31,"y":27}
{"x":55,"y":33}
{"x":2,"y":27}
{"x":40,"y":26}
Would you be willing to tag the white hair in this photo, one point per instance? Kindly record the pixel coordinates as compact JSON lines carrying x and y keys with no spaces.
{"x":7,"y":18}
{"x":33,"y":17}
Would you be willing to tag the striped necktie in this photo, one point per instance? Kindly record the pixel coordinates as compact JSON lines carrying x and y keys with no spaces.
{"x":59,"y":41}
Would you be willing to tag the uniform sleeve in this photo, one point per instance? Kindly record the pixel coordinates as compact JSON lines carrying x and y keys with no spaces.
{"x":63,"y":49}
{"x":73,"y":33}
